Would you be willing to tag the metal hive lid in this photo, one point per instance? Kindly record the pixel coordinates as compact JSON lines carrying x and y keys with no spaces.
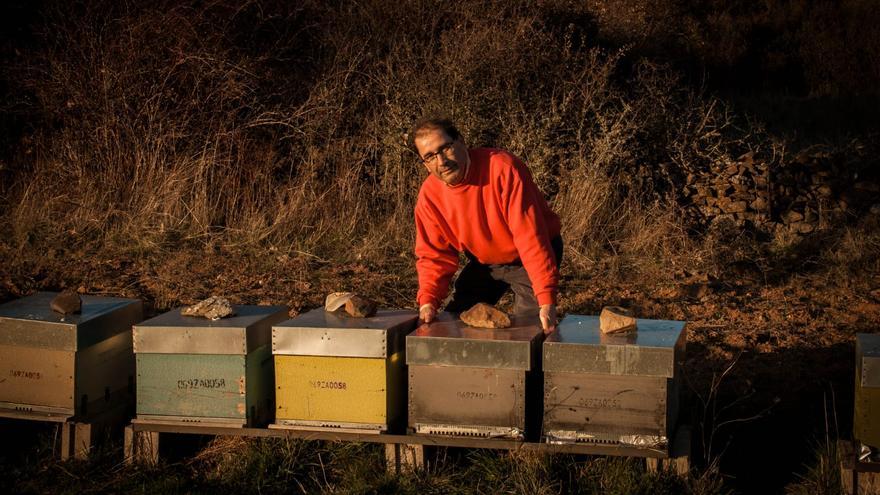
{"x":321,"y":333}
{"x":30,"y":322}
{"x":868,"y":359}
{"x":173,"y":333}
{"x":447,"y":341}
{"x":578,"y":346}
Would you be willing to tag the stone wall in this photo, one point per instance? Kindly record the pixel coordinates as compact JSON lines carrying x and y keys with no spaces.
{"x":812,"y":191}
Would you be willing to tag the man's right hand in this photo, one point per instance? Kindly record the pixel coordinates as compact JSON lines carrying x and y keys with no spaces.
{"x":427,"y":313}
{"x":547,"y":315}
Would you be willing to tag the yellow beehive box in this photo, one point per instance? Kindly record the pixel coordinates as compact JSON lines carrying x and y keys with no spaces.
{"x":867,"y":407}
{"x":336,"y":371}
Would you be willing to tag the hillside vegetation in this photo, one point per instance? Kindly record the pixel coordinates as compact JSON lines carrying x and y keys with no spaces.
{"x":711,"y":161}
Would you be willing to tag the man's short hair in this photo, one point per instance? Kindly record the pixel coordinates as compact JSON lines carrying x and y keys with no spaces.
{"x":432,"y":124}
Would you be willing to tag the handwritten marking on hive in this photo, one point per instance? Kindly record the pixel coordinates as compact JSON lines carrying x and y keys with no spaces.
{"x":32,"y":375}
{"x":328,"y":384}
{"x":201,"y":383}
{"x":476,"y":395}
{"x":595,"y":403}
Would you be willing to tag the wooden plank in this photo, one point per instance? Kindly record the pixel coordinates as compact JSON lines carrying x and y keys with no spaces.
{"x":402,"y":457}
{"x":128,"y":445}
{"x":326,"y":428}
{"x":392,"y":458}
{"x":34,"y":415}
{"x":680,"y":453}
{"x":83,"y":439}
{"x":449,"y":395}
{"x":606,"y":404}
{"x":866,"y":410}
{"x":679,"y":458}
{"x":427,"y":440}
{"x":141,"y":447}
{"x":191,"y":385}
{"x":80,"y":434}
{"x":867,"y":467}
{"x":332,"y":389}
{"x":39,"y":377}
{"x":853,"y":473}
{"x":66,"y":440}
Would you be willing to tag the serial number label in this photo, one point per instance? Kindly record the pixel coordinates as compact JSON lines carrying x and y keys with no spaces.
{"x":328,"y":384}
{"x":31,"y":375}
{"x":201,"y":383}
{"x":595,"y":403}
{"x":476,"y":395}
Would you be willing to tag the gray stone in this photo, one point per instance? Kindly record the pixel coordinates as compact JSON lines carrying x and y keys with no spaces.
{"x":802,"y":227}
{"x":792,"y":216}
{"x":360,"y":307}
{"x":759,"y":204}
{"x":68,"y":302}
{"x":212,"y":308}
{"x":729,"y":206}
{"x":336,"y":300}
{"x":614,"y":319}
{"x":483,"y":315}
{"x":351,"y":303}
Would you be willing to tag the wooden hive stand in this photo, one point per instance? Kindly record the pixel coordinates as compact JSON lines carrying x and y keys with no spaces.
{"x":79,"y":434}
{"x":858,"y":477}
{"x":402,"y":452}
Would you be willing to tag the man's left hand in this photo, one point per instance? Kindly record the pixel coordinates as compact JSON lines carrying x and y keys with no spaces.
{"x":547,"y":314}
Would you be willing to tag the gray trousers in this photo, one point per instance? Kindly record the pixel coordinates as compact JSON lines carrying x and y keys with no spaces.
{"x":487,"y":283}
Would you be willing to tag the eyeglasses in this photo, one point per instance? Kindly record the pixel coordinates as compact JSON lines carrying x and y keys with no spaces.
{"x":430,"y":157}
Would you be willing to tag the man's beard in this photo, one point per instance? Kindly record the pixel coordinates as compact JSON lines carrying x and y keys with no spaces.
{"x":453,"y":174}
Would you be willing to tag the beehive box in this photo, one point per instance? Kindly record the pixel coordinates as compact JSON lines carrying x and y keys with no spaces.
{"x":466,"y":381}
{"x":612,"y":389}
{"x":337,"y":371}
{"x":54,"y":366}
{"x":866,"y":423}
{"x":195,"y":370}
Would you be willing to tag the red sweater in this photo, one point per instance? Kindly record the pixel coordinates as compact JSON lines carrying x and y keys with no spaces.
{"x":497,"y":214}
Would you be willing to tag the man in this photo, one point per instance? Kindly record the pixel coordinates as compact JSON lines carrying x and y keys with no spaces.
{"x":482,"y":202}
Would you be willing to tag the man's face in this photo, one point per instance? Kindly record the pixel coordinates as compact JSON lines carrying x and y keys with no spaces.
{"x":444,"y":158}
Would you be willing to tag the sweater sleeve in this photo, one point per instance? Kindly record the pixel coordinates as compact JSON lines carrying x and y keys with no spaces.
{"x":436,"y":259}
{"x":530,"y":233}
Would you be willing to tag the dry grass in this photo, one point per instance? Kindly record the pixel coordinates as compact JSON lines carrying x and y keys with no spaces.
{"x":158,"y":124}
{"x":267,"y":124}
{"x":278,"y":127}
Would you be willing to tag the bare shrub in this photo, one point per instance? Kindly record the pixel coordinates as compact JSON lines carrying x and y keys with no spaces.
{"x":270,"y":124}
